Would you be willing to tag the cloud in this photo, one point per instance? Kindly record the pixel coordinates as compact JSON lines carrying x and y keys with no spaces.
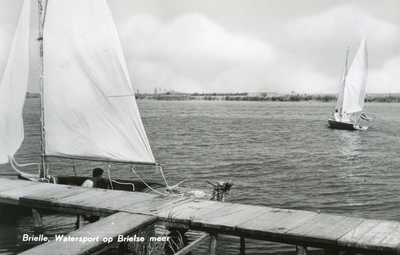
{"x":319,"y":42}
{"x":195,"y":54}
{"x":190,"y":52}
{"x":303,"y":53}
{"x":385,"y":79}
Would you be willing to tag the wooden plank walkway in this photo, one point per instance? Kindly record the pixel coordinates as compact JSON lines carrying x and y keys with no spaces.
{"x":300,"y":228}
{"x":121,"y":223}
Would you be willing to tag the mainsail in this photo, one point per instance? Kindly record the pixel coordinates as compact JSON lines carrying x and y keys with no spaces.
{"x":356,"y":82}
{"x":13,"y":89}
{"x":90,"y":109}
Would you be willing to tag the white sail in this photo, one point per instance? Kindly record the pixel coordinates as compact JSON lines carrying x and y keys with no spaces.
{"x":13,"y":89}
{"x":339,"y":102}
{"x":90,"y":108}
{"x":356,"y":81}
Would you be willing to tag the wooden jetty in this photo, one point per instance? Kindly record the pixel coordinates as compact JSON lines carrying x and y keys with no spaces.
{"x":126,"y":212}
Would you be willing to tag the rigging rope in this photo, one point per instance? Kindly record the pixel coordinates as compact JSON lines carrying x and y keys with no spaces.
{"x":133,"y":171}
{"x":73,"y":167}
{"x":165,"y":180}
{"x":12,"y":161}
{"x":109,"y":176}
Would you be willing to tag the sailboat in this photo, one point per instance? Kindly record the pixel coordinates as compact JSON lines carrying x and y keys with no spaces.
{"x":88,"y":105}
{"x":352,"y":89}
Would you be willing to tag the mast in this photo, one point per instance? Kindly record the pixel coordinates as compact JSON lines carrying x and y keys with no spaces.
{"x":344,"y":83}
{"x":41,"y":20}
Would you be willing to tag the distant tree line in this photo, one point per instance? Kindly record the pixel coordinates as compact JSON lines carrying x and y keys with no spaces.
{"x":284,"y":98}
{"x":264,"y":97}
{"x":246,"y":97}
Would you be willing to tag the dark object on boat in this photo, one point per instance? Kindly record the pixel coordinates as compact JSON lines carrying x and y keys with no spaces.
{"x":220,"y":189}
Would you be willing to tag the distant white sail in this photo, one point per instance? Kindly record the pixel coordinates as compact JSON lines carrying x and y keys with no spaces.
{"x":356,"y":81}
{"x":339,"y":102}
{"x":84,"y":68}
{"x":13,"y":89}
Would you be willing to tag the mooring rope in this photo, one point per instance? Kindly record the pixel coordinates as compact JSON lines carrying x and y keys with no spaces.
{"x":12,"y":161}
{"x":165,"y":180}
{"x":133,"y":171}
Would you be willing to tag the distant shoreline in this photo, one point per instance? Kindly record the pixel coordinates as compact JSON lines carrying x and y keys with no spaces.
{"x":395,"y":97}
{"x":273,"y":97}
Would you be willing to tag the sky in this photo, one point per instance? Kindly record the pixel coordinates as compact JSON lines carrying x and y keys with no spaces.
{"x":230,"y":46}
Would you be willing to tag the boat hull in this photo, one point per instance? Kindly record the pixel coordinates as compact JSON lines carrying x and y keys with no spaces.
{"x":343,"y":125}
{"x":104,"y":183}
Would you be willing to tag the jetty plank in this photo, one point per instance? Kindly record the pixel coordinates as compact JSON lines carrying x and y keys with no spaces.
{"x":189,"y":211}
{"x":9,"y":184}
{"x":99,"y":201}
{"x":380,"y":238}
{"x":171,"y":203}
{"x":276,"y":221}
{"x":245,"y":215}
{"x":350,"y":239}
{"x":275,"y":224}
{"x":157,"y":204}
{"x":295,"y":220}
{"x":117,"y":224}
{"x":226,"y":211}
{"x":393,"y":239}
{"x":309,"y":231}
{"x":82,"y":200}
{"x":16,"y":194}
{"x":195,"y":210}
{"x":95,"y":201}
{"x":62,"y":192}
{"x":336,"y":230}
{"x":113,"y":199}
{"x":230,"y":221}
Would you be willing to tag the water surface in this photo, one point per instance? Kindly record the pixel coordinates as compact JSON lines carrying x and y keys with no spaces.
{"x":279,"y":154}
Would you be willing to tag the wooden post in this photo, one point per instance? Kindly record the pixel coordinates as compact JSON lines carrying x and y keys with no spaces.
{"x":37,"y":220}
{"x":213,"y":243}
{"x":80,"y":221}
{"x":242,"y":245}
{"x":300,"y":250}
{"x":192,"y":245}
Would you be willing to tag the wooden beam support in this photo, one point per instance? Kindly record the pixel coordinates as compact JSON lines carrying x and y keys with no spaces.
{"x":192,"y":245}
{"x":80,"y":221}
{"x":242,"y":245}
{"x":213,"y":243}
{"x":37,"y":220}
{"x":300,"y":250}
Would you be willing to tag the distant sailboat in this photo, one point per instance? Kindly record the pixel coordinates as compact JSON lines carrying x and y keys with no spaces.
{"x":351,"y":95}
{"x":88,"y":107}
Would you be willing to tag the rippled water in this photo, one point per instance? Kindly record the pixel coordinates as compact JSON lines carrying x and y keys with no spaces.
{"x":279,"y":154}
